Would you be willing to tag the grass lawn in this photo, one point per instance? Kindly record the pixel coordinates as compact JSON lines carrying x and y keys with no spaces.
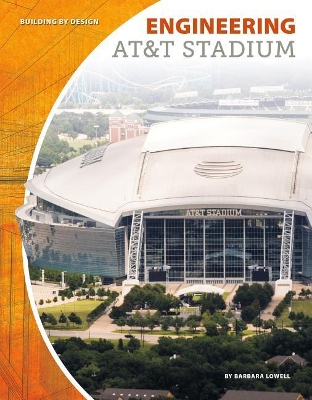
{"x":225,"y":295}
{"x":297,"y":305}
{"x":188,"y":310}
{"x":82,"y":308}
{"x":77,"y":144}
{"x":246,"y":332}
{"x":249,"y":332}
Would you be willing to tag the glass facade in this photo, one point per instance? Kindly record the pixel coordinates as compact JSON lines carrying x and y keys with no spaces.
{"x":75,"y":249}
{"x":219,"y":249}
{"x":194,"y":248}
{"x":214,"y":242}
{"x":199,"y":245}
{"x":174,"y":249}
{"x":307,"y":252}
{"x":234,"y":252}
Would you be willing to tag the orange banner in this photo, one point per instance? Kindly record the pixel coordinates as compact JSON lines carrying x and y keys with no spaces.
{"x":36,"y":62}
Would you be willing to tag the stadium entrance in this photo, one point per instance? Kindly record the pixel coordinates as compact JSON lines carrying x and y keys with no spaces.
{"x":214,"y":245}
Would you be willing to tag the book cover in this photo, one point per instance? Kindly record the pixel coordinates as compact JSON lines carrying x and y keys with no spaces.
{"x":195,"y":60}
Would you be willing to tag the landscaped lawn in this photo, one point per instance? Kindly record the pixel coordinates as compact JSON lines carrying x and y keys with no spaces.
{"x":297,"y":306}
{"x":82,"y":308}
{"x":77,"y":144}
{"x":225,"y":295}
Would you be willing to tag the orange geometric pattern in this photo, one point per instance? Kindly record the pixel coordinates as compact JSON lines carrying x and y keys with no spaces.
{"x":35,"y":64}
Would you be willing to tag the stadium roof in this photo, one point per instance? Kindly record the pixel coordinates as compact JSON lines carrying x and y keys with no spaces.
{"x":229,"y":132}
{"x":211,"y":162}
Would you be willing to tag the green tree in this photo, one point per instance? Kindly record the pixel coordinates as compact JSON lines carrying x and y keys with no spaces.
{"x":246,"y":294}
{"x":75,"y":357}
{"x":121,"y":321}
{"x":74,"y":281}
{"x":212,"y":302}
{"x":177,"y":323}
{"x":193,"y":322}
{"x":222,"y":322}
{"x":165,"y":324}
{"x":53,"y":151}
{"x":257,"y":322}
{"x":120,"y":344}
{"x":141,"y":321}
{"x":100,"y":292}
{"x":151,"y":297}
{"x":43,"y":317}
{"x":62,"y":319}
{"x":101,"y":346}
{"x":117,"y":312}
{"x":51,"y":319}
{"x":268,"y":324}
{"x":130,"y":322}
{"x":87,"y":377}
{"x":215,"y":324}
{"x":153,"y":320}
{"x":211,"y":328}
{"x":239,"y":326}
{"x":34,"y":273}
{"x":249,"y":313}
{"x":91,"y":292}
{"x":74,"y":319}
{"x":133,"y":345}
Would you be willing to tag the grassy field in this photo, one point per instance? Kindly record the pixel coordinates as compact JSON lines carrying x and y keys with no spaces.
{"x":297,"y":306}
{"x":188,"y":310}
{"x":82,"y":308}
{"x":246,"y":332}
{"x":225,"y":295}
{"x":77,"y":144}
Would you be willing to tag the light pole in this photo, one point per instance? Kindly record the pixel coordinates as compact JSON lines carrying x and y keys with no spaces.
{"x":96,"y":130}
{"x":167,"y":268}
{"x":63,"y":279}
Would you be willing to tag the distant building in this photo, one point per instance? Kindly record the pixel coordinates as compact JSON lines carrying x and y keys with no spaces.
{"x":254,"y":395}
{"x":122,"y":127}
{"x":122,"y":394}
{"x":283,"y":360}
{"x":265,"y":107}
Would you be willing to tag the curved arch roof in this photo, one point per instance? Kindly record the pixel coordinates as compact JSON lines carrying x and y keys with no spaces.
{"x":215,"y":162}
{"x":229,"y":132}
{"x":197,"y":288}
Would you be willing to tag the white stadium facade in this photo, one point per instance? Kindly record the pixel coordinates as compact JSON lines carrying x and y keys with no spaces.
{"x":199,"y":200}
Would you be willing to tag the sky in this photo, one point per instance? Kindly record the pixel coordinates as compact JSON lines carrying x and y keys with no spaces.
{"x":146,"y":70}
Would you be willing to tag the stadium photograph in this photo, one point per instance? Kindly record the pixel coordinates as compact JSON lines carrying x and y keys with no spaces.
{"x":196,"y":201}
